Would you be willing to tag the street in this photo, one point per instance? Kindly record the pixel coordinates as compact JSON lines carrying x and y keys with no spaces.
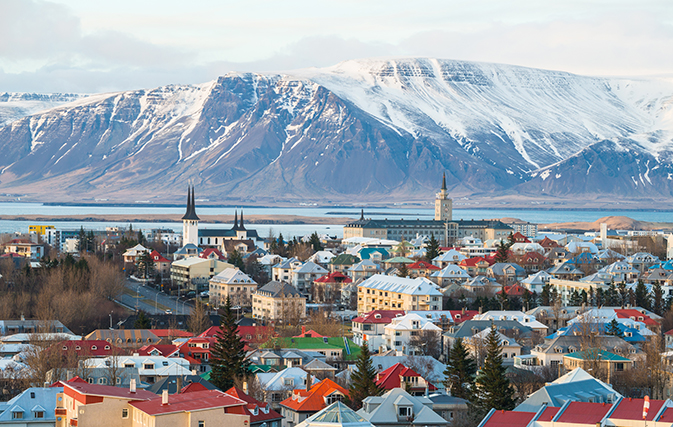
{"x":152,"y":301}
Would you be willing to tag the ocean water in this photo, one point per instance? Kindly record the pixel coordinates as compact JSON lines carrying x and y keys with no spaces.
{"x":289,"y":230}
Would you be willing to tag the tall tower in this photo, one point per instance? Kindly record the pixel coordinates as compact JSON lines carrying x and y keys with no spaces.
{"x":190,"y":221}
{"x":443,"y":204}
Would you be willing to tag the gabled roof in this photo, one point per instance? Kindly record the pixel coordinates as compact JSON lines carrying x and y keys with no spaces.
{"x":583,"y":413}
{"x":508,"y":419}
{"x":337,"y":276}
{"x":422,"y":265}
{"x":279,"y":289}
{"x":187,"y":402}
{"x":157,"y":257}
{"x":392,"y":377}
{"x":380,"y":316}
{"x":451,"y":271}
{"x":632,"y":409}
{"x":232,"y":276}
{"x":472,"y":262}
{"x":263,"y":412}
{"x":337,"y":414}
{"x":312,"y":400}
{"x":417,"y":286}
{"x":209,"y":251}
{"x":80,"y":386}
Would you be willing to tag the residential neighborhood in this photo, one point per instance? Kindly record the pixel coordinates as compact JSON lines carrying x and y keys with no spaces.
{"x":399,"y":322}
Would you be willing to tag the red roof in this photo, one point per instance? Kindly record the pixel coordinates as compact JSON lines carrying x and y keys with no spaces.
{"x":194,"y":401}
{"x":379,"y":316}
{"x":166,"y":350}
{"x":209,"y":251}
{"x":548,"y":414}
{"x":509,"y":419}
{"x":549,"y":243}
{"x":313,"y":399}
{"x":515,"y":290}
{"x":666,"y":416}
{"x":669,"y":332}
{"x":336,"y":277}
{"x":627,"y":313}
{"x":632,"y":409}
{"x":192,"y":387}
{"x":472,"y":262}
{"x":310,"y":334}
{"x":422,"y":265}
{"x":459,"y":316}
{"x":533,"y":257}
{"x":520,"y":238}
{"x":157,"y":257}
{"x":584,"y":413}
{"x":166,"y":333}
{"x":81,"y":387}
{"x":249,"y":334}
{"x":264,"y":411}
{"x":391,"y":378}
{"x":21,"y":242}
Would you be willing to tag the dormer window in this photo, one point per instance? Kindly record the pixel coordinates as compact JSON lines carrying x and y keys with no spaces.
{"x":405,"y":412}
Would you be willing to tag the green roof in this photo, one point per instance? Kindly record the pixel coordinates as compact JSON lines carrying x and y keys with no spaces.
{"x":399,"y":260}
{"x":310,"y":343}
{"x":344,"y":259}
{"x":595,"y":353}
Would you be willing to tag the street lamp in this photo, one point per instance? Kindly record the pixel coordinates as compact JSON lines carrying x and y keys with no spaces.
{"x":111,"y":319}
{"x":155,"y":302}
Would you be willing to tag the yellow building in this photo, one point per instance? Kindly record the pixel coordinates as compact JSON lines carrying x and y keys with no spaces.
{"x":40,"y":229}
{"x":381,"y":292}
{"x":278,"y":301}
{"x":232,"y":283}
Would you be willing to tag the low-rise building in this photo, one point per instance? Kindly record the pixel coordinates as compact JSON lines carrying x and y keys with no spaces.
{"x":370,"y":327}
{"x":305,"y":402}
{"x":381,"y":292}
{"x":400,"y":332}
{"x":278,"y":301}
{"x":194,"y":273}
{"x":234,"y":284}
{"x":397,"y":408}
{"x":35,"y":406}
{"x":303,"y":275}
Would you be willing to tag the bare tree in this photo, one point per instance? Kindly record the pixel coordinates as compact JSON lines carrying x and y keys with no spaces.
{"x":199,"y":320}
{"x":427,"y":343}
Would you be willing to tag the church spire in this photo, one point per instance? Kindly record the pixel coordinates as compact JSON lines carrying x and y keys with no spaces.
{"x":362,"y":214}
{"x":235,"y":220}
{"x":242,"y":227}
{"x":444,"y":181}
{"x":190,"y":214}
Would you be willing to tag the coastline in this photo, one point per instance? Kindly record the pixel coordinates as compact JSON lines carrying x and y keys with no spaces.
{"x":205,"y":219}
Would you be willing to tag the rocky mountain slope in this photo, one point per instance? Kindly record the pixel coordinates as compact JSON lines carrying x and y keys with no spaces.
{"x":367,"y":130}
{"x":14,"y":106}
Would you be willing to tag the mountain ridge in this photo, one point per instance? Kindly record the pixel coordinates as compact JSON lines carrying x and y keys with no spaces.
{"x":376,"y":130}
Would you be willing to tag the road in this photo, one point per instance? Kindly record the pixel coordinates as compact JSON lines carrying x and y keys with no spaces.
{"x":151,"y":300}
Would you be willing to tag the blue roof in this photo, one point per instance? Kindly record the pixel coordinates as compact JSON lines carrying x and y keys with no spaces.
{"x":31,"y":401}
{"x":365,"y":253}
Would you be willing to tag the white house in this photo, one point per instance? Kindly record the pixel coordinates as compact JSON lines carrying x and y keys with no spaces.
{"x":398,"y":332}
{"x":523,"y":318}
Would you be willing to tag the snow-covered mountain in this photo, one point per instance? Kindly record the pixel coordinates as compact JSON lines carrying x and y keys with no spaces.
{"x":366,"y":130}
{"x":14,"y":106}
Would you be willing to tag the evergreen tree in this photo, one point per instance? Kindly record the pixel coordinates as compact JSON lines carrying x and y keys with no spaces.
{"x":315,"y":242}
{"x":403,"y":271}
{"x":584,"y":297}
{"x":493,"y":387}
{"x":460,"y":371}
{"x":623,"y":294}
{"x":81,"y":240}
{"x":545,"y":296}
{"x":642,"y":297}
{"x":236,"y":260}
{"x":501,"y":254}
{"x":227,"y":359}
{"x":280,"y":244}
{"x":363,"y":379}
{"x":510,"y":240}
{"x":145,"y":265}
{"x":575,"y":298}
{"x":613,"y":329}
{"x":141,"y":238}
{"x":90,"y":242}
{"x":432,"y":250}
{"x":600,"y":299}
{"x":657,"y":298}
{"x":142,"y":321}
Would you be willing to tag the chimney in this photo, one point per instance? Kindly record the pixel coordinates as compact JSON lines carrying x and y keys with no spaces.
{"x":481,"y":309}
{"x":164,"y":397}
{"x":178,"y":382}
{"x":308,"y":381}
{"x":303,"y":330}
{"x":132,"y":386}
{"x":245,"y":387}
{"x":463,"y":311}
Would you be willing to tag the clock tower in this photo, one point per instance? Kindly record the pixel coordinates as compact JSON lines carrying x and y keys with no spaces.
{"x":443,"y":204}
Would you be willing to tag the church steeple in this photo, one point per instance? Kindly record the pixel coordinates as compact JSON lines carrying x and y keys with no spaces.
{"x":241,"y":227}
{"x":235,"y":221}
{"x":190,"y":214}
{"x":444,"y":181}
{"x":362,"y":214}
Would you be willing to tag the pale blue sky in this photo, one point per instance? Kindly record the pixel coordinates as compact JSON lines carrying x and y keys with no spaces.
{"x":92,"y":46}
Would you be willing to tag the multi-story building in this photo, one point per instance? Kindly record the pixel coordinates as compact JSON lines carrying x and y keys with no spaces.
{"x":302,"y":276}
{"x":399,"y":332}
{"x":278,"y":301}
{"x":371,"y":327}
{"x":443,"y":227}
{"x":232,"y":283}
{"x":194,"y":273}
{"x":381,"y":292}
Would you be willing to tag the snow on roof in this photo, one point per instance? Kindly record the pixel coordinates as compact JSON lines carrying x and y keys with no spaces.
{"x":417,"y":286}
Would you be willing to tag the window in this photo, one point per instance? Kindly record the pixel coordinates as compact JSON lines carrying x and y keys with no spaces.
{"x":404,"y":411}
{"x":202,"y":424}
{"x":619,"y":367}
{"x":17,"y":415}
{"x":39,"y":414}
{"x":32,"y":395}
{"x":125,"y":413}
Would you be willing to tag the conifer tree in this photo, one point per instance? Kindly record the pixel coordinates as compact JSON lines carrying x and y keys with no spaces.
{"x":657,"y":298}
{"x":642,"y":297}
{"x":493,"y":387}
{"x":432,"y":250}
{"x":403,"y":271}
{"x":363,"y":379}
{"x":501,"y":254}
{"x":460,"y":371}
{"x":142,"y":321}
{"x":613,"y":329}
{"x":236,"y":260}
{"x":315,"y":242}
{"x":227,"y":359}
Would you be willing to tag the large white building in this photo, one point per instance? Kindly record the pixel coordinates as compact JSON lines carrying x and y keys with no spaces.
{"x":381,"y":292}
{"x":401,"y":329}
